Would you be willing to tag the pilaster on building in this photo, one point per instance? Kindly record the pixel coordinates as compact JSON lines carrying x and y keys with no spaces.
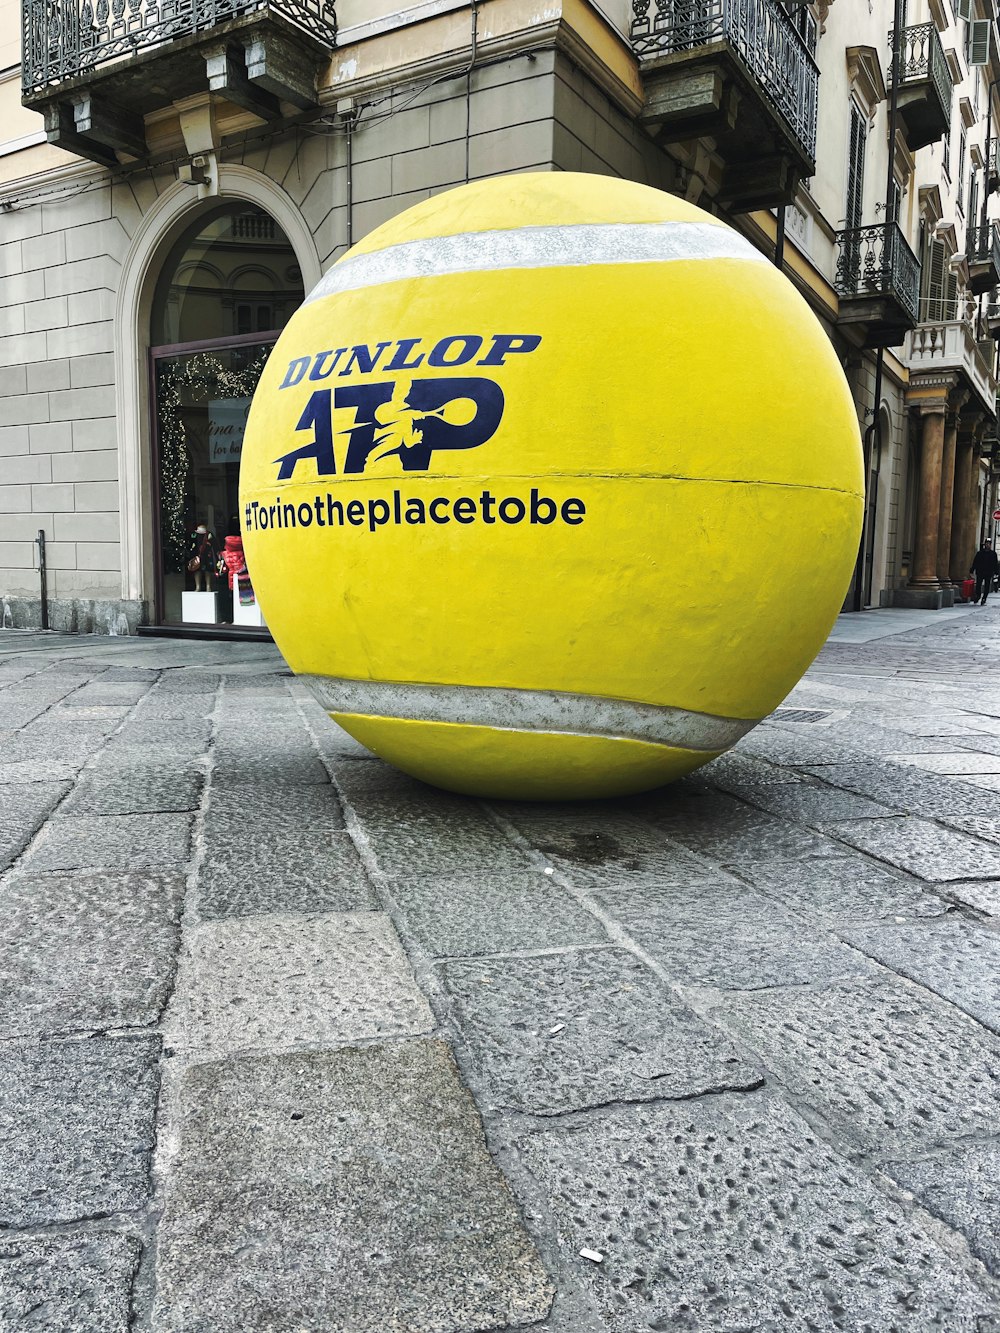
{"x":174,"y":179}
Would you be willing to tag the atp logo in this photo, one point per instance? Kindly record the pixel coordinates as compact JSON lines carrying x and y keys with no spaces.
{"x":408,"y":418}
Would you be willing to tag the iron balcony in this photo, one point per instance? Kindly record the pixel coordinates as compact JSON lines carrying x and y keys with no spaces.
{"x":878,"y":283}
{"x":925,"y":86}
{"x":983,"y":254}
{"x":740,"y":71}
{"x":94,"y":68}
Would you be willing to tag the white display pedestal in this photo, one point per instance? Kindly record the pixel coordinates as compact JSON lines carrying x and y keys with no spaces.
{"x":245,"y":615}
{"x":200,"y":608}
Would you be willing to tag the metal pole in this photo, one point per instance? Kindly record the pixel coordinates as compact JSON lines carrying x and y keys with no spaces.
{"x":872,"y":442}
{"x":872,"y":437}
{"x":40,"y":543}
{"x":779,"y":239}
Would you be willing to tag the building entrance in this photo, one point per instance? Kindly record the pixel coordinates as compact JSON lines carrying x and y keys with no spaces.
{"x":228,"y":287}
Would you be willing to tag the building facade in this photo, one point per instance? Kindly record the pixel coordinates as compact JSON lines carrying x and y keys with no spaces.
{"x":174,"y":177}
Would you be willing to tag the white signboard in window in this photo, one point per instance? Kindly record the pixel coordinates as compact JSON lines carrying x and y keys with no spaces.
{"x":227,"y":422}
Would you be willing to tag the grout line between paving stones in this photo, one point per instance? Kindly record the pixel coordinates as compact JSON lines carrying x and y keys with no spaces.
{"x":164,"y":1147}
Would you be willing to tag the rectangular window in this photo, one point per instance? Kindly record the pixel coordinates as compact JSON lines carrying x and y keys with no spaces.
{"x":856,"y":169}
{"x":960,"y":183}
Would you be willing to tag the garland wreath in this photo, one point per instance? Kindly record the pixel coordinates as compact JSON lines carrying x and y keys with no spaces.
{"x":203,"y":371}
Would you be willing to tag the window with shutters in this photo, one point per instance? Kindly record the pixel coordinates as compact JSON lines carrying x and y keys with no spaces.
{"x":979,"y":41}
{"x":856,"y":168}
{"x":960,"y":191}
{"x":973,"y":214}
{"x":946,"y":158}
{"x":939,"y":286}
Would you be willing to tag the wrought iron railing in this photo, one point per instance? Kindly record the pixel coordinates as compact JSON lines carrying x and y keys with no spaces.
{"x":64,"y":38}
{"x":876,"y":261}
{"x":921,"y":56}
{"x":983,"y":245}
{"x":759,"y":31}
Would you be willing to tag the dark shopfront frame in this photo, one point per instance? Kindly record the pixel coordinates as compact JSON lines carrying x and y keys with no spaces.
{"x":160,"y":625}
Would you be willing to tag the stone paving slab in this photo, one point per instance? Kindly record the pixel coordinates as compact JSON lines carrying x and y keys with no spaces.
{"x":593,"y":847}
{"x":136,"y":791}
{"x":23,"y":810}
{"x":439,"y":838}
{"x":116,"y":842}
{"x":456,"y":916}
{"x":957,"y":960}
{"x":273,"y":983}
{"x":558,"y":1032}
{"x":956,"y":762}
{"x":182,"y":680}
{"x":244,"y":874}
{"x":174,"y":731}
{"x":923,"y":849}
{"x":75,"y":1283}
{"x":38,"y":770}
{"x":347,"y":1191}
{"x":916,"y":792}
{"x":68,"y":749}
{"x":234,"y":767}
{"x":979,"y":826}
{"x":110,"y":692}
{"x":738,"y":834}
{"x":716,"y":932}
{"x":307,"y":808}
{"x":76,"y":1128}
{"x":983,"y":895}
{"x":962,"y":1187}
{"x":890,"y":1067}
{"x":120,"y":752}
{"x":813,"y":805}
{"x":842,"y":888}
{"x":981,"y":782}
{"x":733,"y":770}
{"x":86,"y":951}
{"x":728,"y":1213}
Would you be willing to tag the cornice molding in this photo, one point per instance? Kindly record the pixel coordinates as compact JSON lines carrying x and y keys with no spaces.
{"x":865,"y":75}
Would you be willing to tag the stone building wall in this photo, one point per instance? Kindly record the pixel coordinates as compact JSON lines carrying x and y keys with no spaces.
{"x":66,"y":239}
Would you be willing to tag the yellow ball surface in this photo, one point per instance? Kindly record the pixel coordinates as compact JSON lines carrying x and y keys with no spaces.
{"x":553,"y":488}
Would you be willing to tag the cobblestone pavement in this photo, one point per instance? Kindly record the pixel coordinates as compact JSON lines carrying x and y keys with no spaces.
{"x":291,"y":1042}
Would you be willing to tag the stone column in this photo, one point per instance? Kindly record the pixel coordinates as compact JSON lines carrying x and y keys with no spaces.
{"x":947,"y":499}
{"x":928,"y":498}
{"x":962,"y":532}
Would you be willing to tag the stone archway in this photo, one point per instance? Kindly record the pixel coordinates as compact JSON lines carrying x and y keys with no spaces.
{"x":174,"y":210}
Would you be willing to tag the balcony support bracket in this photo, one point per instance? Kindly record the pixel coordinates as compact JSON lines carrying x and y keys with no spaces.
{"x":109,"y":125}
{"x":226,"y":68}
{"x":276,"y":66}
{"x":61,"y":129}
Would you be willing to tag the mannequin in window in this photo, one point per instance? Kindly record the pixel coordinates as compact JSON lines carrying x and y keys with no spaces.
{"x":201,"y":558}
{"x":232,"y":563}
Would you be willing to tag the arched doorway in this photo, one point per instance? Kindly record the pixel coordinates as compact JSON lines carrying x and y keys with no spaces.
{"x":227,"y":287}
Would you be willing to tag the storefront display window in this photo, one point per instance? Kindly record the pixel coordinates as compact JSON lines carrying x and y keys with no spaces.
{"x":232,"y":280}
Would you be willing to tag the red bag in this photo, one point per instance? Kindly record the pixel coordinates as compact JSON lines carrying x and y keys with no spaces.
{"x":968,"y":588}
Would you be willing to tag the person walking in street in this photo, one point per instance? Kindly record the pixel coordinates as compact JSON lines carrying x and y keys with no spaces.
{"x":984,"y":566}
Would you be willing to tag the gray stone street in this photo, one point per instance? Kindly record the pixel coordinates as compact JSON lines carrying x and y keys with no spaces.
{"x":290,"y":1041}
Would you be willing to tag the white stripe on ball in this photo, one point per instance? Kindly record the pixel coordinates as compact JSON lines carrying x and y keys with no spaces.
{"x":531,"y":710}
{"x":585,"y":244}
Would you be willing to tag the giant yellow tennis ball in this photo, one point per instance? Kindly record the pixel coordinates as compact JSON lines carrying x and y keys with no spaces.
{"x":552,"y":488}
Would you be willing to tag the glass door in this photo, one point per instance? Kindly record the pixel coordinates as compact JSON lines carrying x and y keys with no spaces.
{"x":201,"y":397}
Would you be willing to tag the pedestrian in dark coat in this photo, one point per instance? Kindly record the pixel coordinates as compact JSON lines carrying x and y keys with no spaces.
{"x":985,"y":566}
